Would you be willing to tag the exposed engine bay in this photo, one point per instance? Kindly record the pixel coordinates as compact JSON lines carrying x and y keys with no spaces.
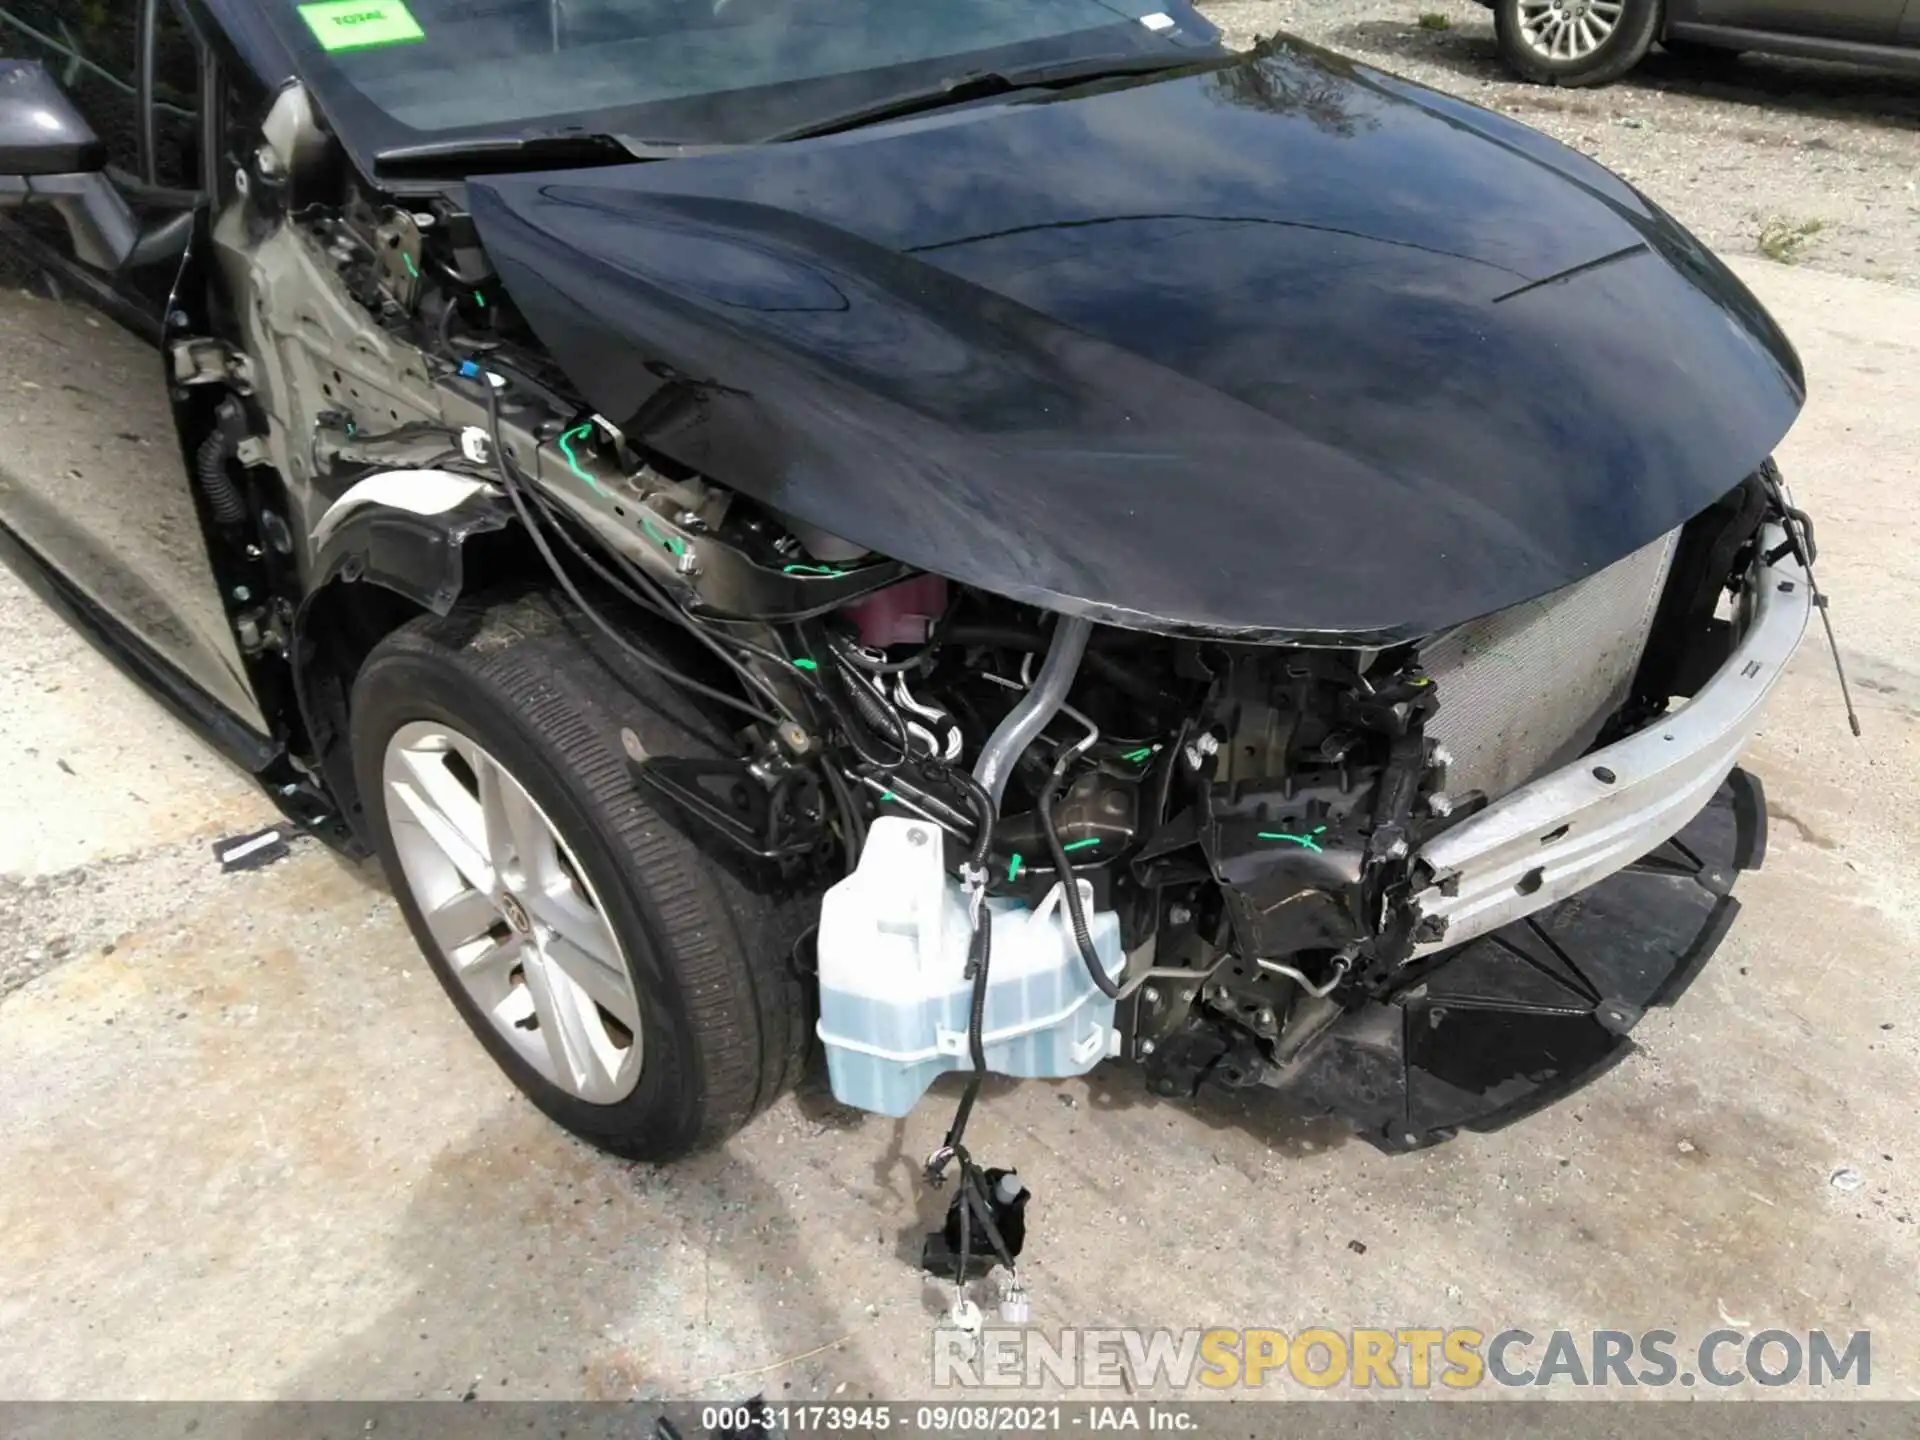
{"x":1216,"y":800}
{"x":1034,"y":842}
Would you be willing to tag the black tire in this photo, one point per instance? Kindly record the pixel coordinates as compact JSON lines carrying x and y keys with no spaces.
{"x":1632,"y":37}
{"x":723,"y":1011}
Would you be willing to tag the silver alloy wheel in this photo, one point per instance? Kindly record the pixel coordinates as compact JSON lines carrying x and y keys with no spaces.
{"x":513,"y":912}
{"x":1568,"y":29}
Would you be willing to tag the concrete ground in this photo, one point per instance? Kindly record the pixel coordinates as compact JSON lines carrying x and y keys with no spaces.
{"x":251,"y":1151}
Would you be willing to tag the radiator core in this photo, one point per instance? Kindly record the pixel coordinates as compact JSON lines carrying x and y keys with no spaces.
{"x":1528,"y":688}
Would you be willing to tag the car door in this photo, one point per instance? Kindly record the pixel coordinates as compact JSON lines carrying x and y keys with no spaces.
{"x":1873,"y":21}
{"x":93,"y":477}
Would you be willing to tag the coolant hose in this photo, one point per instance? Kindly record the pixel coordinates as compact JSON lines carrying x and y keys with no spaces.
{"x":1027,"y":719}
{"x":210,"y":468}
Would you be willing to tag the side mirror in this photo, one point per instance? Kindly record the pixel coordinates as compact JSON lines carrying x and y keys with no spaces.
{"x":40,"y":131}
{"x":49,"y":155}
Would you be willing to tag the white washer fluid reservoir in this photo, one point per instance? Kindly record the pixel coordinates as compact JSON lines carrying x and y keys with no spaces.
{"x":894,"y":995}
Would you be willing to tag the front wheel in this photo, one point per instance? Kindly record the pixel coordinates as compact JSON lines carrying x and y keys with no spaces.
{"x":1574,"y":42}
{"x":636,"y":991}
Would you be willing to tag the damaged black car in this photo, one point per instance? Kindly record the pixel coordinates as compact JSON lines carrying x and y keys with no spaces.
{"x":987,"y":535}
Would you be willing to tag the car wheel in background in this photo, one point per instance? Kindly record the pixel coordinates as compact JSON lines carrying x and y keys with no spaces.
{"x":1574,"y":42}
{"x":634,"y":989}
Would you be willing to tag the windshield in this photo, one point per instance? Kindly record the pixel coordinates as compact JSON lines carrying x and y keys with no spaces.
{"x":681,"y":71}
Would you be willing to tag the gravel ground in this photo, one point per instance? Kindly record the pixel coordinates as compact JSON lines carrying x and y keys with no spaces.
{"x":1731,"y":151}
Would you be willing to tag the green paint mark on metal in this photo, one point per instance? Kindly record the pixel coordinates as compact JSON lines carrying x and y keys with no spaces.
{"x":361,"y":24}
{"x":1086,"y":844}
{"x":673,"y":544}
{"x":479,"y":299}
{"x":1305,"y":841}
{"x":1140,"y":756}
{"x":885,"y":796}
{"x":828,"y":570}
{"x":573,"y":462}
{"x":412,"y":269}
{"x":1013,"y":866}
{"x":804,"y":664}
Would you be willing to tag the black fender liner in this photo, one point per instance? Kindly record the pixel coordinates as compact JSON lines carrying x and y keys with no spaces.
{"x":419,"y":556}
{"x":376,"y":569}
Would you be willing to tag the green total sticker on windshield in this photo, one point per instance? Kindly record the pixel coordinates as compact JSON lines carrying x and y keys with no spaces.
{"x":357,"y":24}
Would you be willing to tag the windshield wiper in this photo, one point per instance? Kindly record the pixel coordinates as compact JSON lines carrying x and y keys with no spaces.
{"x":986,"y":85}
{"x":561,"y":149}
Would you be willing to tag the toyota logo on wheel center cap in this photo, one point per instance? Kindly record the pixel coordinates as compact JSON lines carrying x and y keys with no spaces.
{"x":516,"y":914}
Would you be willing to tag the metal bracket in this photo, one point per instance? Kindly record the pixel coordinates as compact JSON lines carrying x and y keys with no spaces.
{"x":398,"y":246}
{"x":203,"y":360}
{"x":777,"y":822}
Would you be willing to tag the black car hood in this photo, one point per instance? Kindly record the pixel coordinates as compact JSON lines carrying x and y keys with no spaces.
{"x":1287,"y":349}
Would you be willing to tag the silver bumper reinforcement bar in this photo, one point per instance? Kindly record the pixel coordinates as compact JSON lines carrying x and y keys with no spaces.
{"x":1559,"y":834}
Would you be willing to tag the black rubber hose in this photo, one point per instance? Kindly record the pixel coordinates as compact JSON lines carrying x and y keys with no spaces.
{"x":979,"y":958}
{"x":880,"y":716}
{"x":856,"y":836}
{"x":1076,"y":913}
{"x":853,"y":703}
{"x":980,"y":950}
{"x":983,"y":808}
{"x":224,"y":500}
{"x":1020,"y":637}
{"x":966,"y":1223}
